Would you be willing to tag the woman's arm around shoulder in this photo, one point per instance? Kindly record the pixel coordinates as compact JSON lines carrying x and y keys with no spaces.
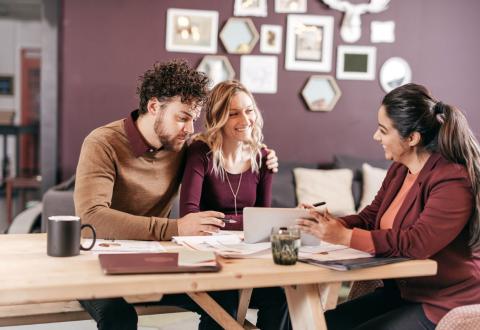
{"x":196,"y":167}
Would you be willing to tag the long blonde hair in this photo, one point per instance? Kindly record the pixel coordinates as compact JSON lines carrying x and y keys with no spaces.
{"x":217,"y":109}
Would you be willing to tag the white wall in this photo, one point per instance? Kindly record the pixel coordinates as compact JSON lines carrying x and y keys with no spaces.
{"x":15,"y":35}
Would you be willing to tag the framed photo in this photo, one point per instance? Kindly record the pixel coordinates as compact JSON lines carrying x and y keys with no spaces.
{"x":271,"y":39}
{"x":356,"y":62}
{"x":259,"y":73}
{"x":250,"y":8}
{"x":239,"y":35}
{"x":321,"y":93}
{"x":192,"y":31}
{"x":290,"y":6}
{"x":217,"y":68}
{"x":309,"y":43}
{"x":6,"y":85}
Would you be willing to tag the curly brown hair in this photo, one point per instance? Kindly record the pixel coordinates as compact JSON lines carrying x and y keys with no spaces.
{"x":169,"y":79}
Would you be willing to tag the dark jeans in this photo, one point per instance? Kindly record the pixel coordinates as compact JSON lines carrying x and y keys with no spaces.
{"x":272,"y":308}
{"x":117,"y":314}
{"x":381,"y":309}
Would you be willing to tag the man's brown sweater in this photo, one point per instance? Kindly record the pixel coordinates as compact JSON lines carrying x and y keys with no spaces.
{"x":123,"y":191}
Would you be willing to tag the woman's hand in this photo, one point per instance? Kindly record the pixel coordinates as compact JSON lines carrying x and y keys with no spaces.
{"x":326,"y":227}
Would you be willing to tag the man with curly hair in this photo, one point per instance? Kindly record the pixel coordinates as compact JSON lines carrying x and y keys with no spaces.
{"x":129,"y":172}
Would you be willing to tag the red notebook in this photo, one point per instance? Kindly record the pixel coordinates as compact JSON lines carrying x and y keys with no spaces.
{"x":165,"y":262}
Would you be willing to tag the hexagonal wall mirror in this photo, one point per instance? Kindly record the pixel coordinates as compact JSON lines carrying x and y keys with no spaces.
{"x":321,"y":93}
{"x":217,"y":68}
{"x":239,"y":35}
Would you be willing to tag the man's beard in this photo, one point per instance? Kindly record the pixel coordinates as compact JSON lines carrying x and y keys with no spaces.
{"x":168,"y":141}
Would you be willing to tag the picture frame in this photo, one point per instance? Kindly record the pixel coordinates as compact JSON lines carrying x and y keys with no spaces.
{"x":309,"y":43}
{"x":250,"y":8}
{"x":6,"y":85}
{"x":356,"y":62}
{"x":321,"y":93}
{"x":290,"y":6}
{"x":217,"y":67}
{"x":259,"y":73}
{"x":239,"y":35}
{"x":192,"y":31}
{"x":271,"y":39}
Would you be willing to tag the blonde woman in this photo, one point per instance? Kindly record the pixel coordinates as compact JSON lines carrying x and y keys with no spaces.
{"x":226,"y":171}
{"x":226,"y":165}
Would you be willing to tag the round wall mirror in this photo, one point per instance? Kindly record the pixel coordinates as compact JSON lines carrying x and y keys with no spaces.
{"x":395,"y":72}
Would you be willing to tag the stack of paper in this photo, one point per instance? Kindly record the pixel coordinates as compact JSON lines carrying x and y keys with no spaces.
{"x":228,"y":245}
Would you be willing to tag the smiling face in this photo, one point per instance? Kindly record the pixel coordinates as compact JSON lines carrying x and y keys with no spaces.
{"x":395,"y":147}
{"x":241,"y":118}
{"x":174,"y":123}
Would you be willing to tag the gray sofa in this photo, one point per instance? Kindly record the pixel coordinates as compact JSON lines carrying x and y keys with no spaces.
{"x":59,"y":199}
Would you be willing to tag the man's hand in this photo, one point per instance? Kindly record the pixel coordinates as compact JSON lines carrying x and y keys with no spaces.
{"x":272,"y":160}
{"x":200,"y":223}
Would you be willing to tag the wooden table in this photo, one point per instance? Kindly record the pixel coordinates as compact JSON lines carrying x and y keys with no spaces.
{"x":29,"y":276}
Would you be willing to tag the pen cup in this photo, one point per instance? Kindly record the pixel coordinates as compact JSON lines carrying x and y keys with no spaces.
{"x":285,"y":244}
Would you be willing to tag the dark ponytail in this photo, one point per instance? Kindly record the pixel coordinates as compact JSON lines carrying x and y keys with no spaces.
{"x":457,"y":143}
{"x":443,"y":129}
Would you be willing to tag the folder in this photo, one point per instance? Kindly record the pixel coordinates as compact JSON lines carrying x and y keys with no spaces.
{"x":351,"y":264}
{"x":165,"y":262}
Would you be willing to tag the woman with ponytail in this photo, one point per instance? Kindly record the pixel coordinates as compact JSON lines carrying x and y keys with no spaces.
{"x":427,"y":207}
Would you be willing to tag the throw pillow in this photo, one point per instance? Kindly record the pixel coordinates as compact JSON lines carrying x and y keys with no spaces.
{"x":372,"y":181}
{"x":331,"y":186}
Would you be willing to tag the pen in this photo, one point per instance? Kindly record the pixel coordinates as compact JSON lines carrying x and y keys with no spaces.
{"x":227,"y":220}
{"x":319,"y":204}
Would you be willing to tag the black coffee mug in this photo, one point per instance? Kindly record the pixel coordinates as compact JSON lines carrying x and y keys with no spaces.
{"x":63,"y":236}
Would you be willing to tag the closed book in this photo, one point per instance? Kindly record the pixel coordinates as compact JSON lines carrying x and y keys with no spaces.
{"x":165,"y":262}
{"x":356,"y":263}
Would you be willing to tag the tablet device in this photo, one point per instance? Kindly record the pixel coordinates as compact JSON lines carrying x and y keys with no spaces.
{"x":259,"y":221}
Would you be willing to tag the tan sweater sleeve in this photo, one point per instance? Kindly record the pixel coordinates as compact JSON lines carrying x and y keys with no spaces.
{"x":95,"y":178}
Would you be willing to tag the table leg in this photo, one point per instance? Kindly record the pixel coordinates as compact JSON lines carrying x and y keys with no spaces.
{"x":329,"y":294}
{"x":214,"y":310}
{"x":244,"y":301}
{"x":305,"y":306}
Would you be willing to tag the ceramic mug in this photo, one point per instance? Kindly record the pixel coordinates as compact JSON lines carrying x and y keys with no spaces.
{"x":63,"y":236}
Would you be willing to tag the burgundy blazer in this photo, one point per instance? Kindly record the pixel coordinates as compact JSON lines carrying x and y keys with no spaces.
{"x":431,"y":223}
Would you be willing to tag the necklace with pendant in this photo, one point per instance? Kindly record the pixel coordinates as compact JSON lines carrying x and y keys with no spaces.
{"x":236,"y":192}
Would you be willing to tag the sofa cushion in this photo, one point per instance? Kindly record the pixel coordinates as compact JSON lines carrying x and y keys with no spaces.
{"x":330,"y":186}
{"x":283,"y":184}
{"x":355,"y":164}
{"x":372,"y":181}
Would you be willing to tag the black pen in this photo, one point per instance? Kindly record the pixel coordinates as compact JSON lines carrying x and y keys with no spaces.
{"x":227,"y":220}
{"x":319,"y":204}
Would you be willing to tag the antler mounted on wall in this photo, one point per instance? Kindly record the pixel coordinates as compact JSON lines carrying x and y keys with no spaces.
{"x":351,"y":29}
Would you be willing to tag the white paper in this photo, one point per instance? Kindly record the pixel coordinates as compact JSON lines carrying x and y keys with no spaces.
{"x":332,"y":252}
{"x":123,"y":246}
{"x":223,"y":237}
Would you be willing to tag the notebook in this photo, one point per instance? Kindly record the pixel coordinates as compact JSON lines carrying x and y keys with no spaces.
{"x":166,"y":262}
{"x":259,"y":221}
{"x":350,"y":264}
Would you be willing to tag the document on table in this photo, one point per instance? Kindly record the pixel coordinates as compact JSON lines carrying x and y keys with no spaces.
{"x":326,"y":251}
{"x":222,"y":237}
{"x":123,"y":246}
{"x":228,"y":245}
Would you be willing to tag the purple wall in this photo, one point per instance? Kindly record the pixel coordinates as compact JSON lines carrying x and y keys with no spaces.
{"x":107,"y":44}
